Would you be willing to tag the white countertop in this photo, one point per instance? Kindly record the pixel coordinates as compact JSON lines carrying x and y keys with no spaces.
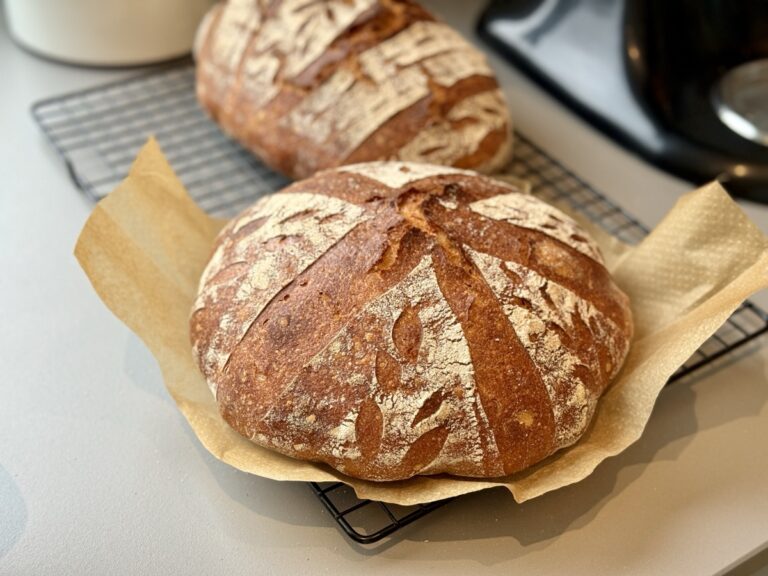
{"x":100,"y":474}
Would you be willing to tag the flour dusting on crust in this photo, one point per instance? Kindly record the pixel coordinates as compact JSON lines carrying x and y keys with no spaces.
{"x":398,"y":174}
{"x":286,"y":42}
{"x":303,"y":63}
{"x":378,"y":378}
{"x":313,"y":222}
{"x":443,"y":364}
{"x":397,"y":72}
{"x":530,"y":212}
{"x":461,"y":133}
{"x":537,"y":308}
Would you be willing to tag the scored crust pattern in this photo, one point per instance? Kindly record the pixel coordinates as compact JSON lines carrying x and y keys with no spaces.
{"x":394,"y":319}
{"x":310,"y":84}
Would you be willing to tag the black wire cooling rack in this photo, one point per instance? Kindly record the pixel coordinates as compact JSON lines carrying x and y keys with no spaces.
{"x":98,"y":132}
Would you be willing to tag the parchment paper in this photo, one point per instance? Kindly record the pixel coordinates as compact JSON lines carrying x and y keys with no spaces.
{"x":145,"y":246}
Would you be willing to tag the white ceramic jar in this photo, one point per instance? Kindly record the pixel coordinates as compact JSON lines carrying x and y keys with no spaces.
{"x":106,"y":32}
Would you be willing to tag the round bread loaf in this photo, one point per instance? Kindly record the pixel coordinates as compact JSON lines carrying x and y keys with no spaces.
{"x":394,"y":319}
{"x":308,"y":85}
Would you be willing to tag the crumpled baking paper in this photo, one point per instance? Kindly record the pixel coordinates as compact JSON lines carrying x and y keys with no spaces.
{"x":146,"y":244}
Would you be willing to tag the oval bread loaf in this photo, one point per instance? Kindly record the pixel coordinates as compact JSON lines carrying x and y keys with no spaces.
{"x":395,"y":319}
{"x":308,"y":85}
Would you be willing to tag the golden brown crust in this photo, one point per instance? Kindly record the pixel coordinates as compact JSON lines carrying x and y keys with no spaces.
{"x":398,"y":319}
{"x":313,"y":85}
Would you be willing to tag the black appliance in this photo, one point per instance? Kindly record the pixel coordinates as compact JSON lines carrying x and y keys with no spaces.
{"x":683,"y":83}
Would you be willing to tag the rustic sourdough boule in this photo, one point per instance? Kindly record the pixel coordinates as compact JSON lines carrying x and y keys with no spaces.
{"x":394,"y":319}
{"x":309,"y":84}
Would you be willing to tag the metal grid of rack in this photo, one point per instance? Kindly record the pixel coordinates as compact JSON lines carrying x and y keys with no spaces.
{"x":98,"y":132}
